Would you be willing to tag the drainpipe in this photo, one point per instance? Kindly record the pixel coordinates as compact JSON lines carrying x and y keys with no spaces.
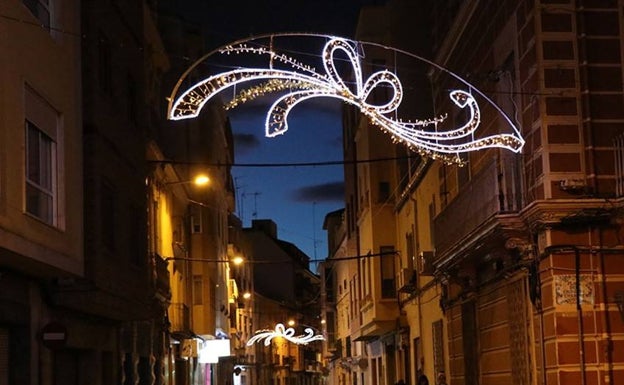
{"x":544,"y":375}
{"x":418,"y":302}
{"x":607,"y":321}
{"x":540,"y":307}
{"x":579,"y":311}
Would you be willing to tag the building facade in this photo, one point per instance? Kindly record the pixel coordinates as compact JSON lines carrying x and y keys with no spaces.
{"x":285,"y":292}
{"x":506,"y":266}
{"x":82,"y":298}
{"x":527,"y":276}
{"x":41,"y":222}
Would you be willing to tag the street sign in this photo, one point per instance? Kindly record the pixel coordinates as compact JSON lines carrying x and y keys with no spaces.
{"x":54,"y":335}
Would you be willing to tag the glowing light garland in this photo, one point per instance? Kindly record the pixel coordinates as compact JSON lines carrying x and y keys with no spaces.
{"x":304,"y":82}
{"x":289,"y":334}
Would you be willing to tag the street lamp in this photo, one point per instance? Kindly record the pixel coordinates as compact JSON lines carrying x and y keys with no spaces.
{"x":199,"y":180}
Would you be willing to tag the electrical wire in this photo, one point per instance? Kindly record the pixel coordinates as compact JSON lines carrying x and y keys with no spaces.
{"x":288,"y":164}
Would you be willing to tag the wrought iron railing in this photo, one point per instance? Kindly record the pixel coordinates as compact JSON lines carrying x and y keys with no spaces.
{"x":179,"y":317}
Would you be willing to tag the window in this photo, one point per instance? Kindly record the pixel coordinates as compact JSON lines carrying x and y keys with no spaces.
{"x":198,"y":298}
{"x":41,"y":164}
{"x":196,"y":220}
{"x":365,"y":282}
{"x":388,"y":288}
{"x":40,"y":173}
{"x":40,"y":9}
{"x":438,"y":347}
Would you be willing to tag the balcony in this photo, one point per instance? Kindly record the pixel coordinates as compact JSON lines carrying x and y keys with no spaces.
{"x":162,"y":287}
{"x":480,"y":207}
{"x":179,"y":316}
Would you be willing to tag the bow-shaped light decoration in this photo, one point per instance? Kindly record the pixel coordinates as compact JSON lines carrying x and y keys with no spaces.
{"x":304,"y":82}
{"x":289,"y":334}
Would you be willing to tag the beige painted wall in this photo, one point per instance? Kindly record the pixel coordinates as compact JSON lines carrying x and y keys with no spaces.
{"x":49,"y":64}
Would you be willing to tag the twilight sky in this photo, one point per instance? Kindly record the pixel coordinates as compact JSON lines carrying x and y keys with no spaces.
{"x":295,"y":197}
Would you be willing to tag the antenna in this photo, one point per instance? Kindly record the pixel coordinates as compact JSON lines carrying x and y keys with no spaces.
{"x":239,"y":198}
{"x":254,"y":214}
{"x":314,"y":227}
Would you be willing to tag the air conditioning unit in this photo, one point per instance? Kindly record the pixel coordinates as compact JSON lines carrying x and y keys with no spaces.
{"x":572,"y":184}
{"x":425,"y":263}
{"x":406,"y":280}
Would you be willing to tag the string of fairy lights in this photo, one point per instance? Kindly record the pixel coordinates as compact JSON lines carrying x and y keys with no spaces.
{"x":287,"y":333}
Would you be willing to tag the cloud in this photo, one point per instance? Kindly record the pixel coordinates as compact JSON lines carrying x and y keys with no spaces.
{"x":246,"y":142}
{"x":326,"y":192}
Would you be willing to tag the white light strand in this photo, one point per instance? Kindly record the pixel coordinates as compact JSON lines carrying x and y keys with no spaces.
{"x":273,"y":85}
{"x":303,"y":82}
{"x":288,"y":334}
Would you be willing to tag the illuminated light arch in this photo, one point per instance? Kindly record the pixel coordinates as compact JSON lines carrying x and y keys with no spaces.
{"x":287,"y":333}
{"x":301,"y":82}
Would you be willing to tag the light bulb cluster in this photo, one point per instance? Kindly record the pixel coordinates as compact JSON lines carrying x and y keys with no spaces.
{"x":300,"y":82}
{"x":287,"y":333}
{"x":273,"y":85}
{"x":283,"y":58}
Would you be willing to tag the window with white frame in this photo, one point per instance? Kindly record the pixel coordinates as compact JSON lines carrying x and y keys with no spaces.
{"x":39,"y":173}
{"x":40,"y":159}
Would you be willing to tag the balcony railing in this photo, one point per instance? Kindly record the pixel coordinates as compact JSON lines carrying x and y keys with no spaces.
{"x":496,"y":189}
{"x":179,"y":316}
{"x":162,"y":277}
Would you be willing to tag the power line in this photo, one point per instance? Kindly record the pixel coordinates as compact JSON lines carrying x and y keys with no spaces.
{"x":268,"y":261}
{"x":289,"y":164}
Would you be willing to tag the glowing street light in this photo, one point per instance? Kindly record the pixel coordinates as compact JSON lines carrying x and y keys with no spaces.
{"x":199,"y":180}
{"x":238,"y":260}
